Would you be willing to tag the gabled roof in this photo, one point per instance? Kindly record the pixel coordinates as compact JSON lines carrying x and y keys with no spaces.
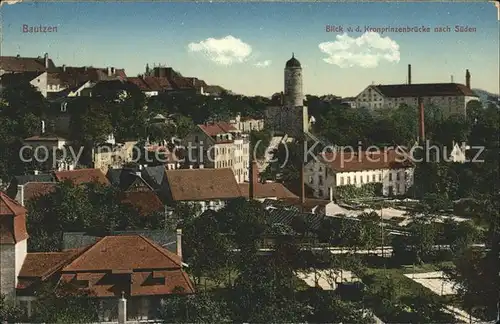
{"x":351,"y":162}
{"x":44,"y":264}
{"x":266,"y":190}
{"x":12,"y":221}
{"x":132,"y":252}
{"x":24,"y":64}
{"x":202,"y":184}
{"x":10,"y":207}
{"x":33,"y":190}
{"x":146,"y":202}
{"x":80,"y":176}
{"x":424,"y":90}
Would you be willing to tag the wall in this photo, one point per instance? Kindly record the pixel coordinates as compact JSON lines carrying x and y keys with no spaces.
{"x":8,"y":270}
{"x":293,"y":87}
{"x":106,"y":158}
{"x":40,"y":82}
{"x":320,"y":179}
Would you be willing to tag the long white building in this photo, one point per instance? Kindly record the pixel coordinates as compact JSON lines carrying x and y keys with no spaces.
{"x":452,"y":98}
{"x":393,"y":169}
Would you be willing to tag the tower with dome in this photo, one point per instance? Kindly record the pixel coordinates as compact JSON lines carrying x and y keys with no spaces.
{"x":291,"y":118}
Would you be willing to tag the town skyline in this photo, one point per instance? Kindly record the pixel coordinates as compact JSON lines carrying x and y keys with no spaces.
{"x":221,"y":42}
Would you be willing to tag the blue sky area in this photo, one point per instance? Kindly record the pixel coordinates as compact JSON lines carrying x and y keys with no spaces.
{"x":244,"y":46}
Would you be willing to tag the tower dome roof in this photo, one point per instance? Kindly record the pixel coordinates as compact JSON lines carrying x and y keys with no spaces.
{"x":293,"y":62}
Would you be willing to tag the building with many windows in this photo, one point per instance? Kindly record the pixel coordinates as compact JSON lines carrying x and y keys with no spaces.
{"x":391,"y":168}
{"x":451,"y":98}
{"x":219,"y":145}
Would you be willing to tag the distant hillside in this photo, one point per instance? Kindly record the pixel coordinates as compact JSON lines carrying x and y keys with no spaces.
{"x":487,"y":97}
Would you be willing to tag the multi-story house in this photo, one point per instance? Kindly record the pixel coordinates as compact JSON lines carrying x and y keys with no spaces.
{"x":391,"y":168}
{"x":219,"y":145}
{"x":247,"y":124}
{"x":452,"y":98}
{"x":36,"y":79}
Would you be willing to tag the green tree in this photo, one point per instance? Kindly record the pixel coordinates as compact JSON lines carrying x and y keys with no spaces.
{"x":64,"y":303}
{"x":9,"y":312}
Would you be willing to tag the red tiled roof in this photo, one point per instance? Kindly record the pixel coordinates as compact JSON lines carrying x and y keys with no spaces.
{"x":24,"y":64}
{"x":34,"y":190}
{"x":149,"y":83}
{"x":424,"y":90}
{"x":351,"y":162}
{"x":214,"y":129}
{"x":12,"y":221}
{"x":181,"y":83}
{"x":123,"y":252}
{"x":81,"y":176}
{"x":266,"y":190}
{"x":146,"y":202}
{"x":202,"y":184}
{"x":44,"y":264}
{"x":139,"y":82}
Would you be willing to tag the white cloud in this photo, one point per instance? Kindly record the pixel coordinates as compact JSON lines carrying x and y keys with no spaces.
{"x":365,"y":51}
{"x":265,"y":63}
{"x":223,"y":51}
{"x":9,"y":2}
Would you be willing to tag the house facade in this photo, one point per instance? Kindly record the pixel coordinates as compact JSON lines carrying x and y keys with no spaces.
{"x":247,"y":124}
{"x":392,"y":169}
{"x":131,"y":266}
{"x":219,"y":145}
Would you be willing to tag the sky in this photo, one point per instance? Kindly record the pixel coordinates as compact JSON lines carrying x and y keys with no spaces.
{"x":244,"y":46}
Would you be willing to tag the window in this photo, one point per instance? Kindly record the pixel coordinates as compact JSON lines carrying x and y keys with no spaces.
{"x":379,"y":177}
{"x":373,"y":178}
{"x":63,"y":106}
{"x":367,"y":179}
{"x":355,"y":180}
{"x":341,"y":180}
{"x":311,"y":180}
{"x":196,"y":139}
{"x":320,"y":192}
{"x":320,"y":180}
{"x":397,"y":176}
{"x":390,"y":176}
{"x":348,"y":180}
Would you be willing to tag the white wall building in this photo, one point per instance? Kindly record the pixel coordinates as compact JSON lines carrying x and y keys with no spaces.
{"x":452,"y":98}
{"x":390,"y":168}
{"x":219,"y":145}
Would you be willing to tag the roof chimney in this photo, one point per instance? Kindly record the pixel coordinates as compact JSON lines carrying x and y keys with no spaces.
{"x":282,"y":98}
{"x":422,"y":120}
{"x":409,"y":73}
{"x":179,"y":243}
{"x":46,"y":60}
{"x":467,"y":78}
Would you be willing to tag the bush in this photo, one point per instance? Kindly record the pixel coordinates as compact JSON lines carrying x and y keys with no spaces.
{"x":365,"y":191}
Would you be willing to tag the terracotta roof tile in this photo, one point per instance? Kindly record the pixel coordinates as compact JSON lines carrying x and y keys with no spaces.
{"x":214,"y":129}
{"x":146,"y":202}
{"x":42,"y":265}
{"x":34,"y":190}
{"x":424,"y":90}
{"x":266,"y":190}
{"x":125,"y":252}
{"x":202,"y":184}
{"x":350,"y":162}
{"x":81,"y":176}
{"x":12,"y":221}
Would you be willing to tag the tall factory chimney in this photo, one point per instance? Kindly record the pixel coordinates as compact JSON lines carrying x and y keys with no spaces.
{"x":467,"y":78}
{"x":409,"y":73}
{"x":421,"y":120}
{"x":253,"y":178}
